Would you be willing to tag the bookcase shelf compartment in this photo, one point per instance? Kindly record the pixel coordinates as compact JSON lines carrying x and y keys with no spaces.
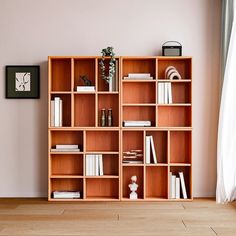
{"x":139,"y":65}
{"x":61,"y":74}
{"x":156,"y":182}
{"x":84,"y":107}
{"x":67,"y":164}
{"x":180,"y":147}
{"x":100,"y":188}
{"x":128,"y":172}
{"x":183,"y":66}
{"x":67,"y":137}
{"x":187,"y":178}
{"x":111,"y":164}
{"x":160,"y":143}
{"x":181,"y":92}
{"x":139,"y":113}
{"x":174,"y":116}
{"x":66,"y":108}
{"x":67,"y":184}
{"x":139,"y":93}
{"x":84,"y":67}
{"x":100,"y":141}
{"x":107,"y":101}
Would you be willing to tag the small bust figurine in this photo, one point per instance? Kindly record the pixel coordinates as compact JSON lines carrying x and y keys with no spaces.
{"x":133,"y":188}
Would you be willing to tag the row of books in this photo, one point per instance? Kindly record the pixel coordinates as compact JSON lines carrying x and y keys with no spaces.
{"x":150,"y":149}
{"x":66,"y":195}
{"x":177,"y":186}
{"x":56,"y":112}
{"x":94,"y":165}
{"x":136,"y":123}
{"x":133,"y":157}
{"x":66,"y":148}
{"x":138,"y":76}
{"x":164,"y":93}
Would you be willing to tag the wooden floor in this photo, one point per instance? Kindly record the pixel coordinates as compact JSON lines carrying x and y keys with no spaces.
{"x":38,"y":217}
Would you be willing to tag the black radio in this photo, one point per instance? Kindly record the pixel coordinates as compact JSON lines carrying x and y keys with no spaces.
{"x":171,"y":48}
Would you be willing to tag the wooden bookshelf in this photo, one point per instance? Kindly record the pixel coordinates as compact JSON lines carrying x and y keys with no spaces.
{"x":171,"y":128}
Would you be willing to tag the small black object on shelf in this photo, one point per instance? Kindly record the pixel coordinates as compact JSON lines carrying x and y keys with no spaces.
{"x":171,"y":48}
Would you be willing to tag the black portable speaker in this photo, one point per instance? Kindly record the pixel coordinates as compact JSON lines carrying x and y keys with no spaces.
{"x":171,"y":48}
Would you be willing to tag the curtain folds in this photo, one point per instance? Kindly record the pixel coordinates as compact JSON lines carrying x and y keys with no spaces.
{"x":226,"y":147}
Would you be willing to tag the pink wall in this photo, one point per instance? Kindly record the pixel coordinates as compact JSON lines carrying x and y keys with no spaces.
{"x":32,"y":30}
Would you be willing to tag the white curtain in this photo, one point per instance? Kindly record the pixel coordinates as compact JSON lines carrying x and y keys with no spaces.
{"x":226,"y":148}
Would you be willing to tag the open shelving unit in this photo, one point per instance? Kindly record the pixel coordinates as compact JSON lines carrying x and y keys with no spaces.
{"x":171,"y":128}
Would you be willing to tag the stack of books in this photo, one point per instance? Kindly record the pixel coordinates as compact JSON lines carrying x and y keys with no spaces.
{"x":85,"y":88}
{"x":175,"y":183}
{"x":66,"y":148}
{"x":94,"y":165}
{"x":66,"y":194}
{"x":138,"y":76}
{"x":133,"y":157}
{"x":136,"y":123}
{"x":56,"y":112}
{"x":164,"y":93}
{"x":150,"y":148}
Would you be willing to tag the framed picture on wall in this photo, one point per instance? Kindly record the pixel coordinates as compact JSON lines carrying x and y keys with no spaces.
{"x":23,"y":81}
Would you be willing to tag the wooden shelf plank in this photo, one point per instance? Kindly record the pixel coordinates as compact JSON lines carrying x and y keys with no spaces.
{"x":158,"y":164}
{"x":106,"y":92}
{"x":132,"y":164}
{"x":175,"y":81}
{"x":66,"y":176}
{"x":64,"y":153}
{"x":61,"y":92}
{"x":180,"y":164}
{"x":101,"y":152}
{"x":102,"y":177}
{"x":175,"y":105}
{"x":139,"y":104}
{"x":138,"y":80}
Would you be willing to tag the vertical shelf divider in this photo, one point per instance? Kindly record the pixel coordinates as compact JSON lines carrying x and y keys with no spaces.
{"x":72,"y":93}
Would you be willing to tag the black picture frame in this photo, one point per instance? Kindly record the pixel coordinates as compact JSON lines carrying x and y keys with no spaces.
{"x":23,"y":81}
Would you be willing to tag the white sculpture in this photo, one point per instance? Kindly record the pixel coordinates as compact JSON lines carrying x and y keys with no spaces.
{"x":133,"y":188}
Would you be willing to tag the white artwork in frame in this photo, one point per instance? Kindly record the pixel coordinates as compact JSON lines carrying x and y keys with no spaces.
{"x":22,"y":81}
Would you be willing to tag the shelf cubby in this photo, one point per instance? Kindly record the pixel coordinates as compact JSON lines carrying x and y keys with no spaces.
{"x":156,"y":182}
{"x":180,"y":147}
{"x":139,"y":65}
{"x":61,"y":74}
{"x":66,"y":137}
{"x":160,"y":139}
{"x":138,"y":113}
{"x":84,"y":110}
{"x":128,"y":172}
{"x":66,"y":108}
{"x":174,"y":116}
{"x":182,"y":64}
{"x":107,"y":101}
{"x":102,"y":188}
{"x":187,"y":178}
{"x":111,"y":164}
{"x":139,"y":92}
{"x":84,"y":67}
{"x":102,"y":141}
{"x":67,"y":164}
{"x":67,"y":184}
{"x":181,"y":92}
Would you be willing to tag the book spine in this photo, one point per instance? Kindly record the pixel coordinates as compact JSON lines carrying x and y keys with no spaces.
{"x":173,"y":188}
{"x":96,"y":157}
{"x":148,"y":161}
{"x":165,"y":93}
{"x":170,"y":185}
{"x":87,"y":165}
{"x":177,"y":188}
{"x":183,"y":187}
{"x":60,"y":114}
{"x":57,"y":111}
{"x":169,"y":93}
{"x":153,"y":150}
{"x":100,"y":164}
{"x":52,"y":110}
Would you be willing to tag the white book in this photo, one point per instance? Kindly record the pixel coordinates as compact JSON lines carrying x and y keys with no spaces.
{"x":161,"y":93}
{"x":173,"y":188}
{"x":85,"y":88}
{"x":169,"y":93}
{"x":137,"y":123}
{"x":87,"y":165}
{"x":52,"y":110}
{"x":170,"y":185}
{"x":57,"y":111}
{"x":177,"y":188}
{"x":100,"y":165}
{"x":137,"y":78}
{"x":64,"y":194}
{"x":65,"y":150}
{"x":147,"y":152}
{"x":92,"y":163}
{"x":139,"y":75}
{"x":165,"y":93}
{"x":183,"y":187}
{"x":153,"y":150}
{"x":67,"y":146}
{"x":96,"y":157}
{"x":61,"y":113}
